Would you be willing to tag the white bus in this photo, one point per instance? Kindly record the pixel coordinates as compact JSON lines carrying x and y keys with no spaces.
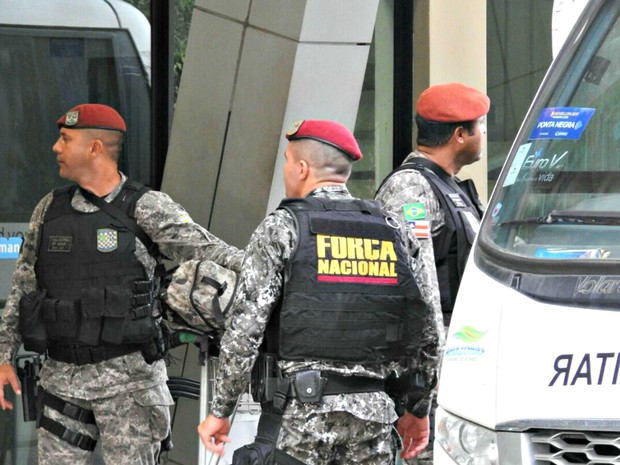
{"x":55,"y":54}
{"x":531,"y":368}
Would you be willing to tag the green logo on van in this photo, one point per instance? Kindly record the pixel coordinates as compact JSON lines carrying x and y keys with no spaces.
{"x":469,"y":334}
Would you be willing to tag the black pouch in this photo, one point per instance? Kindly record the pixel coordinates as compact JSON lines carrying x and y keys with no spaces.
{"x":31,"y":323}
{"x":92,"y":307}
{"x":309,"y":386}
{"x":115,"y":314}
{"x":256,"y":453}
{"x":158,"y":346}
{"x":62,"y":319}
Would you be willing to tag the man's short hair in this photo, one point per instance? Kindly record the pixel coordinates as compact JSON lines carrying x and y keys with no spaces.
{"x":324,"y":158}
{"x":433,"y":134}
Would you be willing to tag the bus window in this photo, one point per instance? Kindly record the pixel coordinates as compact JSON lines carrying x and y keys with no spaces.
{"x":45,"y":71}
{"x":560,"y":197}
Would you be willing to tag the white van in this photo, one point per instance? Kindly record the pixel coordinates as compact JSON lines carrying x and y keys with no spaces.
{"x":54,"y":55}
{"x":531,"y":368}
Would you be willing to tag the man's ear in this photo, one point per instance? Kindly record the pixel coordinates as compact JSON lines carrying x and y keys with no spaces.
{"x":96,"y":148}
{"x":459,"y":134}
{"x":304,"y":170}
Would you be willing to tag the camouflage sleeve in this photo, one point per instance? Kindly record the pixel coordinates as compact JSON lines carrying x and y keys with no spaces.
{"x":260,"y":287}
{"x":179,"y":238}
{"x":398,"y":192}
{"x":24,"y":281}
{"x":425,"y":362}
{"x":395,"y":195}
{"x":410,"y":187}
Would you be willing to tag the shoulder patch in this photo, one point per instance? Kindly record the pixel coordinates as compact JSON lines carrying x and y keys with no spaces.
{"x":414,"y":211}
{"x":415,"y":215}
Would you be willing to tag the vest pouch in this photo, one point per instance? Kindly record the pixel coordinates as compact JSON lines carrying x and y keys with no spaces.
{"x":91,"y":312}
{"x":31,"y":323}
{"x":115,"y":314}
{"x":141,"y":326}
{"x":62,"y":319}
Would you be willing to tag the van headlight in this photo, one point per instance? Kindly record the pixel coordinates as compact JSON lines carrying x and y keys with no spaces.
{"x":466,"y":442}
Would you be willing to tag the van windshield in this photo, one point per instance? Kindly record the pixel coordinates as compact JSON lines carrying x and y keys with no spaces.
{"x":45,"y":71}
{"x":559,"y":194}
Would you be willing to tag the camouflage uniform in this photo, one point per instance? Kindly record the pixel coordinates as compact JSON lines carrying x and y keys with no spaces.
{"x":339,"y":426}
{"x":406,"y":187}
{"x":129,"y":397}
{"x":409,"y":186}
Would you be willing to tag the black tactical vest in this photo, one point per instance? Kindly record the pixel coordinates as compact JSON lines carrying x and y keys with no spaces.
{"x":98,"y":293}
{"x":463,"y":211}
{"x":349,"y":294}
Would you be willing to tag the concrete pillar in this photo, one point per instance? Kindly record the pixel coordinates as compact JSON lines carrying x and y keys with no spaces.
{"x":252,"y":68}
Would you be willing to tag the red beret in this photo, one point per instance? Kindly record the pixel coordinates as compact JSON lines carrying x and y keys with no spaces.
{"x":92,"y":116}
{"x":328,"y":132}
{"x":452,"y":103}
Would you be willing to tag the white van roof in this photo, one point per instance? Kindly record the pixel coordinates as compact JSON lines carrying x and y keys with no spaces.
{"x":86,"y":14}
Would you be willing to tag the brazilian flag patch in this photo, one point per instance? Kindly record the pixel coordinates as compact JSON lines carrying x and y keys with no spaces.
{"x":414,"y":211}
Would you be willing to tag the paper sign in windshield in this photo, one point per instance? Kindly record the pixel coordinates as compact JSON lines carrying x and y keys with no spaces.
{"x":562,"y":123}
{"x":517,"y":163}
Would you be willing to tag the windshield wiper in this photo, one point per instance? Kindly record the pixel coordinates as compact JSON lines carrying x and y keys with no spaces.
{"x":570,"y":217}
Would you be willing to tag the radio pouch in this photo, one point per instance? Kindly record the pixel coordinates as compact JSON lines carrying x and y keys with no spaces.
{"x":31,"y":322}
{"x":309,"y":386}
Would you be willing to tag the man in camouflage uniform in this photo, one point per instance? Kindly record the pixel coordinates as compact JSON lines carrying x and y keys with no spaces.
{"x":425,"y":193}
{"x":342,"y":428}
{"x":121,"y":401}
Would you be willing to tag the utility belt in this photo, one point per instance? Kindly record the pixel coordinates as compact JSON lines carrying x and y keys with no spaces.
{"x":156,"y":348}
{"x":271,"y":388}
{"x":83,"y":355}
{"x":273,"y":391}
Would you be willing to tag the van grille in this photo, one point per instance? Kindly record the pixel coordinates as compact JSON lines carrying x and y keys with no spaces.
{"x":568,"y":447}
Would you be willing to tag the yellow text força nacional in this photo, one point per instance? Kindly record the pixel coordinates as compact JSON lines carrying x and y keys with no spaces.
{"x":339,"y":255}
